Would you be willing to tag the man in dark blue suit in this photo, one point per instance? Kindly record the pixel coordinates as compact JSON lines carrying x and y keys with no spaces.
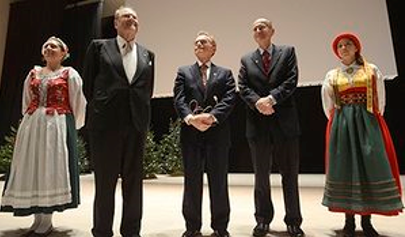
{"x":118,"y":83}
{"x":267,"y":79}
{"x":204,"y":95}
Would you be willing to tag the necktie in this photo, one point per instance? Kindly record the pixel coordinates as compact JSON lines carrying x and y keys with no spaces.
{"x":266,"y":61}
{"x":203,"y":70}
{"x":127,"y":48}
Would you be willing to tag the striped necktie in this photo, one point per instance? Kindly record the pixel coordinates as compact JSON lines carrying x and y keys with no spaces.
{"x":266,"y":61}
{"x":203,"y":69}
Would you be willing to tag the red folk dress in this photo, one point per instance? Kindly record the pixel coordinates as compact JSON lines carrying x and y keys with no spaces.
{"x":362,"y":175}
{"x":44,"y":173}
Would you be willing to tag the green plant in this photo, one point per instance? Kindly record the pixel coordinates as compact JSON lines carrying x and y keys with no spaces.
{"x":151,"y":161}
{"x":169,"y":150}
{"x":84,"y":161}
{"x":6,"y":150}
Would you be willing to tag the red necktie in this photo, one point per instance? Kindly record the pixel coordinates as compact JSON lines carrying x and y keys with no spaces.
{"x":266,"y":61}
{"x":203,"y":70}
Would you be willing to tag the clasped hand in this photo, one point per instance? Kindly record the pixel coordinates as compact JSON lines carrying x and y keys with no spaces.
{"x":202,"y":121}
{"x":265,"y":106}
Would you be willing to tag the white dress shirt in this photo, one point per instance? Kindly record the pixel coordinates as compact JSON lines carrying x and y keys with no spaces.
{"x":129,"y":57}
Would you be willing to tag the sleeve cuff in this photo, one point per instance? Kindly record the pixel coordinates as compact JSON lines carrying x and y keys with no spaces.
{"x":272,"y":100}
{"x":187,"y":119}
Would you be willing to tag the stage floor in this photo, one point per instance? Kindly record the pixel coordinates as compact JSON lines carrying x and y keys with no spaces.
{"x":162,"y":211}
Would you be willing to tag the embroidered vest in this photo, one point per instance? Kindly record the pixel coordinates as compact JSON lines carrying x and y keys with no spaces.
{"x":362,"y":89}
{"x":52,"y":94}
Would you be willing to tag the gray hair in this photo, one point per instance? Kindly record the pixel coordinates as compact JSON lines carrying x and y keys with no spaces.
{"x":211,"y":37}
{"x":118,"y":11}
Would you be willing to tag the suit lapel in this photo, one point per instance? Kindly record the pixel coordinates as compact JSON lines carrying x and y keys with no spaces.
{"x":257,"y":59}
{"x":275,"y":56}
{"x":115,"y":55}
{"x":212,"y":78}
{"x":143,"y":60}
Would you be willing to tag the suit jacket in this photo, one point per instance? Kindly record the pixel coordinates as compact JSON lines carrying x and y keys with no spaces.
{"x":281,"y":83}
{"x":113,"y":101}
{"x":218,"y":97}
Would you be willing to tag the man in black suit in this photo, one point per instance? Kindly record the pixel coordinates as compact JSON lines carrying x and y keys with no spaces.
{"x":118,"y":83}
{"x":204,"y":95}
{"x":267,"y":80}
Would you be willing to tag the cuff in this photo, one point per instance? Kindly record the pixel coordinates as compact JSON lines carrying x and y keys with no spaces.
{"x":272,"y":100}
{"x":187,"y":119}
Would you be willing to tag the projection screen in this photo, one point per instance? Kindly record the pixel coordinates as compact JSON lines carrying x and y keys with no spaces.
{"x":169,"y":28}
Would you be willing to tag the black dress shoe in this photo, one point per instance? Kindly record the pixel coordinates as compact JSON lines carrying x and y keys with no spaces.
{"x":261,"y":230}
{"x":221,"y":233}
{"x":295,"y":231}
{"x":192,"y":233}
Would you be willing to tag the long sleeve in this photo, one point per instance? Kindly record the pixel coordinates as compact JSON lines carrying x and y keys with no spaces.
{"x":180,"y":101}
{"x":77,"y":100}
{"x":328,"y":94}
{"x":248,"y":94}
{"x":380,"y":87}
{"x":225,"y":105}
{"x":26,"y":95}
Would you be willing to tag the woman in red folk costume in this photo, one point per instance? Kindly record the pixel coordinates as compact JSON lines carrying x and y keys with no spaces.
{"x":44,"y":174}
{"x":362,"y":175}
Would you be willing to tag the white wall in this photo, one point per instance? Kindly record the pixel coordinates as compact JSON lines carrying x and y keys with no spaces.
{"x":109,"y":6}
{"x":4,"y":11}
{"x":169,"y":29}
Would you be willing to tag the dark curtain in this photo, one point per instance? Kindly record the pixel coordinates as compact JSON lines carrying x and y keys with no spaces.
{"x":81,"y":23}
{"x":31,"y":22}
{"x":395,"y":89}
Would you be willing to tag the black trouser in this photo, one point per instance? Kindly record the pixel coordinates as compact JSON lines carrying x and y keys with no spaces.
{"x":214,"y":160}
{"x":117,"y":154}
{"x":285,"y":154}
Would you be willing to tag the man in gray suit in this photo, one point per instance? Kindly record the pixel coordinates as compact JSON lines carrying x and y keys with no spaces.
{"x":118,"y":84}
{"x":204,"y":95}
{"x":267,"y":79}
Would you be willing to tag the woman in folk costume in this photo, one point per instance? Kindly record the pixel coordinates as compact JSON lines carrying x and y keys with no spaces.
{"x":362,"y":175}
{"x":44,"y":174}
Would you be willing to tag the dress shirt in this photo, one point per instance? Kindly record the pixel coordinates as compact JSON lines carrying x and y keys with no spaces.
{"x":129,"y":57}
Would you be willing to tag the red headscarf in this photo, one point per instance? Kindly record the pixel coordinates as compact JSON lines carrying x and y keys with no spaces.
{"x":347,"y":35}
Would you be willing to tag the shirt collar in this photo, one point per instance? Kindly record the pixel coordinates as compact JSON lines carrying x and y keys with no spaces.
{"x":207,"y":63}
{"x":354,"y":65}
{"x":122,"y":42}
{"x":269,"y":49}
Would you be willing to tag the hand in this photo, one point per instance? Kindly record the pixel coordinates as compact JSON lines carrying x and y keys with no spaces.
{"x":207,"y":118}
{"x":202,"y":121}
{"x":265,"y":106}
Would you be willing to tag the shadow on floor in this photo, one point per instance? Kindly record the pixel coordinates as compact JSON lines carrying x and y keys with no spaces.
{"x":20,"y":232}
{"x":359,"y":233}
